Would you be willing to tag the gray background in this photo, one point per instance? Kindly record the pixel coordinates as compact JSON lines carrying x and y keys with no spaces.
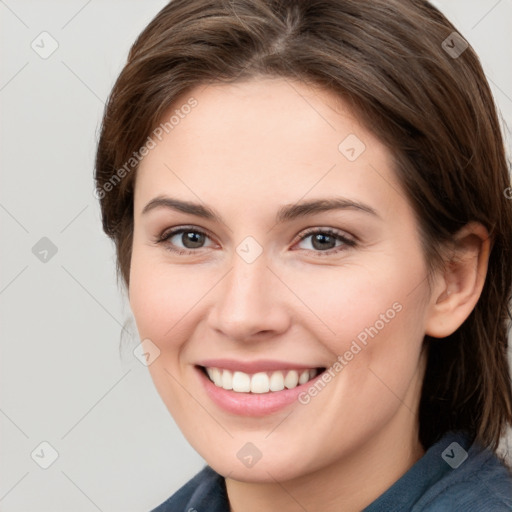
{"x":62,"y":378}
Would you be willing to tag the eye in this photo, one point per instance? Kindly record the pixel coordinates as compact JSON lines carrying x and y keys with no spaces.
{"x":190,"y":237}
{"x":323,"y":241}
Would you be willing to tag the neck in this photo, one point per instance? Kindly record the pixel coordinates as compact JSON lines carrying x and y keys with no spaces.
{"x":350,"y":484}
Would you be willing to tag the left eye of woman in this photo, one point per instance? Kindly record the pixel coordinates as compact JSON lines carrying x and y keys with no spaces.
{"x":325,"y":240}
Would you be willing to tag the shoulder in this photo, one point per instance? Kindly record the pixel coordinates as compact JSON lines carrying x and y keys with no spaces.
{"x":205,"y":488}
{"x":480,"y":483}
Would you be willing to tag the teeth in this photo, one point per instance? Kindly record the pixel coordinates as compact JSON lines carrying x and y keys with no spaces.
{"x":261,"y":382}
{"x":216,"y":376}
{"x":241,"y":382}
{"x":227,"y":380}
{"x":291,"y":380}
{"x":304,"y":377}
{"x":276,"y":381}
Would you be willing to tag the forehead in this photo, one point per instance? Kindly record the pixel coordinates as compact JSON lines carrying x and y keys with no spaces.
{"x":264,"y":140}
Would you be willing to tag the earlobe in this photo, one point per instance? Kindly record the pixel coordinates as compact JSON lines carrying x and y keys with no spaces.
{"x":460,"y":283}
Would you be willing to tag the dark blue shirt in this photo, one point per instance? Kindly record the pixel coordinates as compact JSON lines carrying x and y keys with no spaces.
{"x":453,"y":475}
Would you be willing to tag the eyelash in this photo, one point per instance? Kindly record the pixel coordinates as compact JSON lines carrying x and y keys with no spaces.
{"x":347,"y":242}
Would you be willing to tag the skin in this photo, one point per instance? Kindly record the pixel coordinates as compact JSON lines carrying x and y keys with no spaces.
{"x":246,"y":150}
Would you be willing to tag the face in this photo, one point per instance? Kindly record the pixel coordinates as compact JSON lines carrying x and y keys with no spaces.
{"x":275,"y":251}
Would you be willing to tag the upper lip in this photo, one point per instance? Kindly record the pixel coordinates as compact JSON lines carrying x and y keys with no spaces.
{"x":261,"y":365}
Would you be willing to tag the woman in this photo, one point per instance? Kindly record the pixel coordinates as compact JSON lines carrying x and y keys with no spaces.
{"x":308,"y":201}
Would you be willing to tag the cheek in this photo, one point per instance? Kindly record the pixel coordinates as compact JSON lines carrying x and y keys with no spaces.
{"x":353,"y":300}
{"x":164,"y":298}
{"x":373,"y":317}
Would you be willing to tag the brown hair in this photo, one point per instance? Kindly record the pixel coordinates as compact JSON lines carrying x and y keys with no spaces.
{"x":434,"y":111}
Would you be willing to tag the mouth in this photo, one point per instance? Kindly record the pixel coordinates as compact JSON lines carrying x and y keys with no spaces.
{"x":255,"y":388}
{"x":260,"y":382}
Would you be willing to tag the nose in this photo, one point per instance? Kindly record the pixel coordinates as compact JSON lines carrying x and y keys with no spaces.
{"x":250,"y":303}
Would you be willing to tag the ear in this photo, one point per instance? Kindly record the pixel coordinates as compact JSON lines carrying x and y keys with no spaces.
{"x":458,"y":286}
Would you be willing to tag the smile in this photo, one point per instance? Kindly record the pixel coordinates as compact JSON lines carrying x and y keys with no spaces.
{"x":260,"y":382}
{"x":255,"y":388}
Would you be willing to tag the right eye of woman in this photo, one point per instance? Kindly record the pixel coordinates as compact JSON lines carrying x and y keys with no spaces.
{"x":192,"y":239}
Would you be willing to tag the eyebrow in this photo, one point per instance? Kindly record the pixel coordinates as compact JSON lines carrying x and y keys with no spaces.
{"x":284,"y":214}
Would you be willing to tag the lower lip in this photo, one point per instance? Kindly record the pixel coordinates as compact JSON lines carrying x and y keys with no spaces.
{"x":252,"y":404}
